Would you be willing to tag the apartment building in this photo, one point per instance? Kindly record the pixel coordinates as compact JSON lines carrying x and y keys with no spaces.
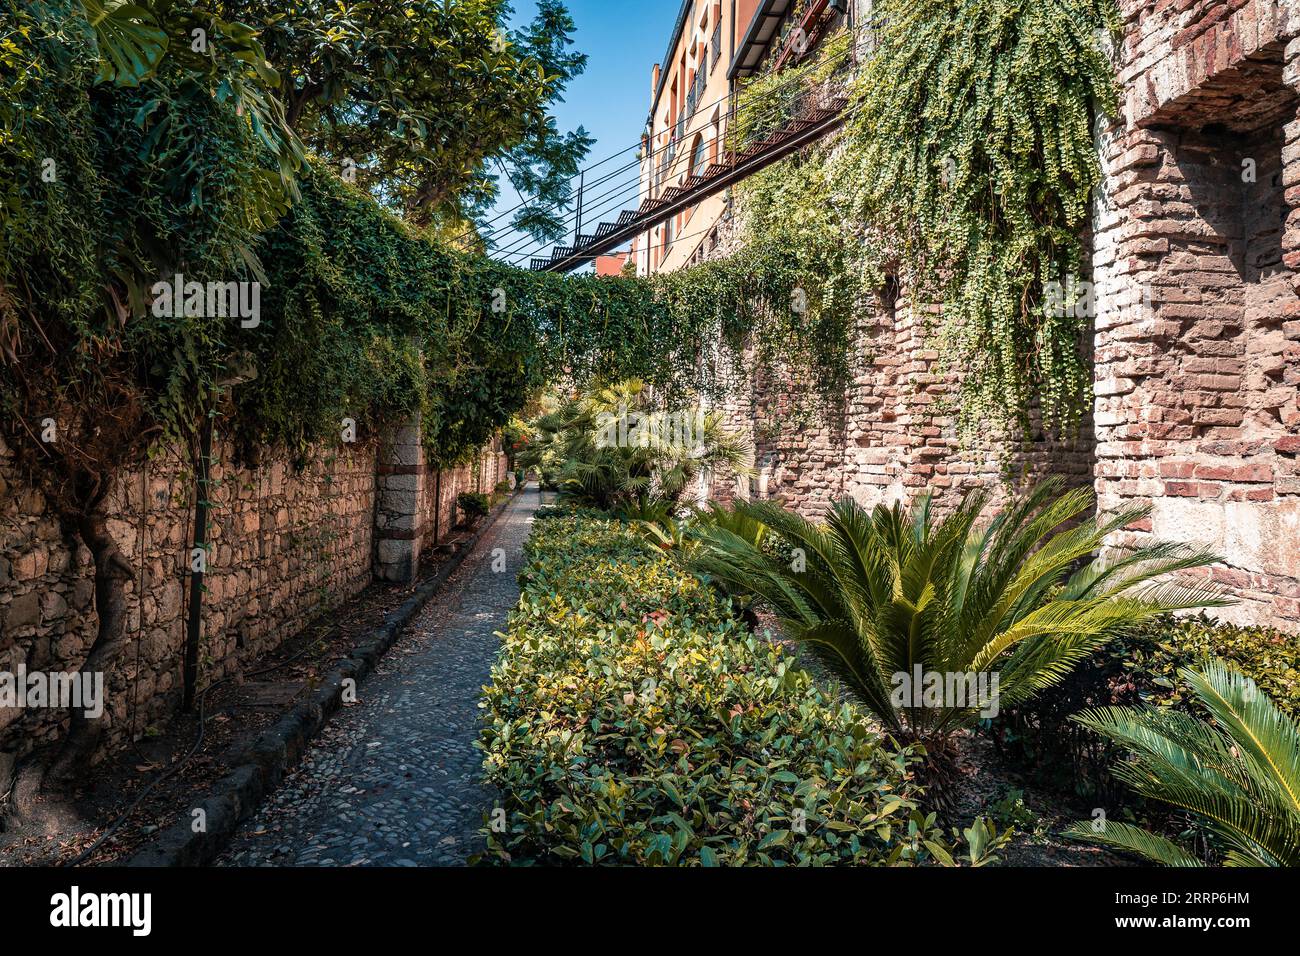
{"x":714,"y":47}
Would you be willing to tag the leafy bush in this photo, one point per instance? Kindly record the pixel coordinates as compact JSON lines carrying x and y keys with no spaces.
{"x":1140,"y":667}
{"x":615,"y":451}
{"x":1153,"y":655}
{"x":632,"y":720}
{"x":1239,"y":775}
{"x":474,"y":504}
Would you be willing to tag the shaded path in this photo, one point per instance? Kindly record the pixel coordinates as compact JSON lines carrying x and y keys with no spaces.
{"x":394,"y":779}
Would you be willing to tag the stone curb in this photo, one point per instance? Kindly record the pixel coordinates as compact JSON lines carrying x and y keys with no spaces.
{"x":235,"y":796}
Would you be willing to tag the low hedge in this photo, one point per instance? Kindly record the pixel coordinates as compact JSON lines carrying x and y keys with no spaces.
{"x":474,"y":504}
{"x":632,"y":720}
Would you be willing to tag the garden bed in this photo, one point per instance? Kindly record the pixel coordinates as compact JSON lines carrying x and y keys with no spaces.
{"x":632,"y":719}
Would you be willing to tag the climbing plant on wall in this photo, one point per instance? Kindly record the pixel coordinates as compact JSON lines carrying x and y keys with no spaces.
{"x":966,"y":168}
{"x":124,"y":167}
{"x":971,"y":143}
{"x":108,"y":187}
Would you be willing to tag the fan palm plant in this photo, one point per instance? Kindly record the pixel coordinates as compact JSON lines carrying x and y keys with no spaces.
{"x":1240,"y":775}
{"x":889,"y":598}
{"x":617,"y":452}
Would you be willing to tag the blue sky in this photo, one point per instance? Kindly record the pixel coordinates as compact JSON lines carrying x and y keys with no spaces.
{"x":622,"y":40}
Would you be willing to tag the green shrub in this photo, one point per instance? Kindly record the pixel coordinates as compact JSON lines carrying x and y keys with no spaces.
{"x":1140,"y":667}
{"x":632,"y":720}
{"x":1238,"y":773}
{"x":473,"y":504}
{"x":615,"y":448}
{"x":1153,"y":655}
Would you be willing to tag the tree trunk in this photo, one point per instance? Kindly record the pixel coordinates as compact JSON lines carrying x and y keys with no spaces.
{"x":111,"y":574}
{"x":55,"y":772}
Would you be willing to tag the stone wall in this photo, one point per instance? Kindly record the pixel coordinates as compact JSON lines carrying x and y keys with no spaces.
{"x":418,"y":506}
{"x":286,"y":544}
{"x":438,"y":509}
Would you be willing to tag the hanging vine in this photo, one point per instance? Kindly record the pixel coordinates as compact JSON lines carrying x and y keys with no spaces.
{"x":972,"y":148}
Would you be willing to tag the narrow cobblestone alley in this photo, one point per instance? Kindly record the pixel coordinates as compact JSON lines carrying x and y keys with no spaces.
{"x":394,"y":779}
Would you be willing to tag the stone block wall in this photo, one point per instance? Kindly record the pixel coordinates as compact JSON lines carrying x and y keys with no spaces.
{"x":286,"y":544}
{"x":417,"y":507}
{"x":439,"y":513}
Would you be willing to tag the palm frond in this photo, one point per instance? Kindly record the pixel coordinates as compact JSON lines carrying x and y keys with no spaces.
{"x":1131,"y":839}
{"x":889,"y":589}
{"x":1237,"y":775}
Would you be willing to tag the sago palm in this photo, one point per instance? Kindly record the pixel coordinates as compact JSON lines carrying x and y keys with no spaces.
{"x":886,"y":596}
{"x":615,"y":450}
{"x":1240,"y":776}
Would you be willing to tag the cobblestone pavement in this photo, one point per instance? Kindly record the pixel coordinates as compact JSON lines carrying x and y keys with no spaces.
{"x":394,"y":780}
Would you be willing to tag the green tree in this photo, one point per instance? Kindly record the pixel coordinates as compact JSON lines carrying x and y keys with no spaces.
{"x":429,"y":104}
{"x":113,"y":176}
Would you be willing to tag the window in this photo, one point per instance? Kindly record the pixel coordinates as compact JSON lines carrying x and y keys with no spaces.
{"x":699,"y":156}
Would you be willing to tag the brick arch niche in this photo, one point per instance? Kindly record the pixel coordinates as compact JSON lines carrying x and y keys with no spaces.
{"x":1196,"y":251}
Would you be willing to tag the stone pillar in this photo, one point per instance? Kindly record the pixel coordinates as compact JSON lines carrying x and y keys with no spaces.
{"x":401,"y":475}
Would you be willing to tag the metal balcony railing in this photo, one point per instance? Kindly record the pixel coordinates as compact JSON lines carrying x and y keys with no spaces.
{"x":814,"y":113}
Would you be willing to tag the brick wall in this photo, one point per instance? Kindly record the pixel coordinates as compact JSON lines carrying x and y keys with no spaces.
{"x":892,"y":435}
{"x":1198,"y":328}
{"x":1196,"y":252}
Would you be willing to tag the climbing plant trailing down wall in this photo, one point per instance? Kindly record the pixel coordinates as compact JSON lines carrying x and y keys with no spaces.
{"x":966,"y":170}
{"x":971,"y":145}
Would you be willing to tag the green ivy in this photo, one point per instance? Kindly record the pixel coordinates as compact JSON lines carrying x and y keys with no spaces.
{"x":971,"y":147}
{"x":368,"y":319}
{"x":965,"y":171}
